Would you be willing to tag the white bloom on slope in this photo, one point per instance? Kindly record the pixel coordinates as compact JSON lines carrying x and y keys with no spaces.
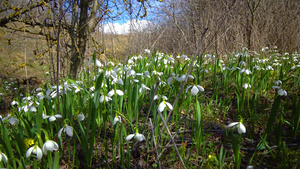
{"x":282,"y":92}
{"x":14,"y":103}
{"x":50,"y":145}
{"x":138,"y":136}
{"x":112,"y":92}
{"x":241,"y":128}
{"x":143,"y":88}
{"x":117,"y":119}
{"x":80,"y":117}
{"x":163,"y":105}
{"x":106,"y":98}
{"x":67,"y":129}
{"x":4,"y":157}
{"x":13,"y":121}
{"x":53,"y":117}
{"x":35,"y":150}
{"x":246,"y":86}
{"x":195,"y":89}
{"x":98,"y":63}
{"x":147,"y":51}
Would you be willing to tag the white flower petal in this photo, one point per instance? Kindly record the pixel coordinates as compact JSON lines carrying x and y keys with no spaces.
{"x":52,"y":118}
{"x":29,"y":151}
{"x":39,"y":153}
{"x":233,"y":124}
{"x":161,"y":107}
{"x":59,"y":132}
{"x":80,"y":117}
{"x":101,"y":99}
{"x":58,"y":116}
{"x":201,"y":89}
{"x":111,"y":93}
{"x":119,"y":92}
{"x":140,"y":137}
{"x":69,"y":131}
{"x":241,"y":128}
{"x":13,"y":121}
{"x":129,"y":137}
{"x":169,"y":105}
{"x":194,"y":91}
{"x":5,"y":159}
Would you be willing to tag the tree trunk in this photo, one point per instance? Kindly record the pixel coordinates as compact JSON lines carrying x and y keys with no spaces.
{"x":79,"y":44}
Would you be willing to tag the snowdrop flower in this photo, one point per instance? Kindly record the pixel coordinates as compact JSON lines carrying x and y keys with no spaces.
{"x":14,"y":103}
{"x":106,"y":98}
{"x":269,"y":67}
{"x":53,"y":117}
{"x":282,"y":92}
{"x":112,"y":92}
{"x":49,"y":145}
{"x":195,"y":89}
{"x":163,"y":105}
{"x":67,"y":129}
{"x":160,"y":96}
{"x":80,"y":117}
{"x":241,"y":128}
{"x":138,"y":136}
{"x":242,"y":63}
{"x":143,"y":88}
{"x":98,"y":63}
{"x":35,"y":150}
{"x":117,"y":119}
{"x":13,"y":121}
{"x":147,"y":51}
{"x":147,"y":74}
{"x":246,"y":86}
{"x":3,"y":156}
{"x":277,"y":82}
{"x":246,"y":71}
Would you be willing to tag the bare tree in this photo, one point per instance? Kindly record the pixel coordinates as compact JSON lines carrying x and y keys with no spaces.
{"x":79,"y":20}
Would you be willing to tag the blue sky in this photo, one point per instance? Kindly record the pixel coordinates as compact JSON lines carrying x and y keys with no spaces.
{"x":123,"y":23}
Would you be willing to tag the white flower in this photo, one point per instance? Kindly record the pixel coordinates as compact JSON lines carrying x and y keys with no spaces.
{"x":163,"y":105}
{"x":14,"y":103}
{"x":241,"y":128}
{"x":147,"y":51}
{"x":53,"y":117}
{"x":195,"y":89}
{"x":49,"y":145}
{"x":160,"y":96}
{"x":138,"y":136}
{"x":4,"y":157}
{"x":278,"y":82}
{"x":67,"y":129}
{"x":117,"y":119}
{"x":80,"y":117}
{"x":98,"y":63}
{"x":13,"y":121}
{"x":143,"y":88}
{"x":246,"y":86}
{"x":246,"y":71}
{"x":106,"y":98}
{"x":35,"y":150}
{"x":282,"y":92}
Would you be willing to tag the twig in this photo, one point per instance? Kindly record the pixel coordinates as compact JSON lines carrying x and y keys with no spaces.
{"x":153,"y":137}
{"x":165,"y":124}
{"x":151,"y":102}
{"x":57,"y":52}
